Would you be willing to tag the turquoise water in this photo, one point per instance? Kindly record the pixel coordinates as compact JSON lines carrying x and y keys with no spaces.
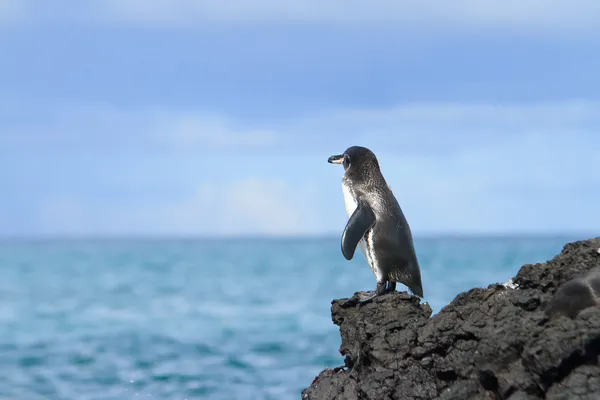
{"x":201,"y":319}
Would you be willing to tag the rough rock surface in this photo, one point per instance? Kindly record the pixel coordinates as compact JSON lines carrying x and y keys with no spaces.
{"x":492,"y":343}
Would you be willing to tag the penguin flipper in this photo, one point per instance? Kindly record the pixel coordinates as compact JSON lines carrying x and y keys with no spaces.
{"x":361,"y":220}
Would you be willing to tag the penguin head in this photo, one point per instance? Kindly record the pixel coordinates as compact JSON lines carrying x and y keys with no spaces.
{"x":355,"y":157}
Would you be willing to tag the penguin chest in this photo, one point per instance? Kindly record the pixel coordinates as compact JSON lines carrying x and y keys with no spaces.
{"x":349,"y":198}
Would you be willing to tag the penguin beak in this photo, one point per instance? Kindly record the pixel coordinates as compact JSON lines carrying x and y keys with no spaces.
{"x":336,"y":159}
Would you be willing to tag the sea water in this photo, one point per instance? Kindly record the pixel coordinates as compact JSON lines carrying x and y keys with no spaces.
{"x":202,"y":319}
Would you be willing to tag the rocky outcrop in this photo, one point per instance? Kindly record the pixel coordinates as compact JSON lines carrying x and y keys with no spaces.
{"x":501,"y":342}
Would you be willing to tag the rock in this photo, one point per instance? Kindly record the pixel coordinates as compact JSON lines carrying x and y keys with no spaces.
{"x":576,"y":295}
{"x":499,"y":342}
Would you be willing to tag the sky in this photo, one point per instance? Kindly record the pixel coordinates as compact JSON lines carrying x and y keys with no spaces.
{"x":216,"y":118}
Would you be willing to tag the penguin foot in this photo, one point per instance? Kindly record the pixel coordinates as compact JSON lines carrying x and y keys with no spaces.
{"x":366,"y":297}
{"x":379,"y":291}
{"x":391,"y":286}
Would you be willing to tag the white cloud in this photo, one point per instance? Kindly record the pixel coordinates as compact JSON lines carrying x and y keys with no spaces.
{"x":438,"y":128}
{"x":266,"y":206}
{"x":416,"y":128}
{"x":521,"y":183}
{"x":525,"y":14}
{"x":487,"y":168}
{"x":249,"y":206}
{"x":451,"y":113}
{"x":558,"y":17}
{"x":10,"y":11}
{"x":190,"y":129}
{"x":454,"y":167}
{"x":102,"y":126}
{"x":246,"y":207}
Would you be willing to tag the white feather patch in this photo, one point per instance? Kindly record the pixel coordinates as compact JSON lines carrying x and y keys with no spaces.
{"x":349,"y":200}
{"x":370,"y":255}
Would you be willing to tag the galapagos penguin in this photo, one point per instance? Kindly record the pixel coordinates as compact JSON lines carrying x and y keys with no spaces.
{"x":376,"y":223}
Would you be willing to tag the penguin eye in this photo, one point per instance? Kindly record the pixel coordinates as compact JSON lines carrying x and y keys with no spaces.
{"x":346,"y":161}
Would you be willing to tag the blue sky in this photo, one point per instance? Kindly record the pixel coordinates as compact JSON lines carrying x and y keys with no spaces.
{"x":204,"y":117}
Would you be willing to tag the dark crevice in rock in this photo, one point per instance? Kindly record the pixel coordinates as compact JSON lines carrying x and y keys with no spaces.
{"x":488,"y":380}
{"x":447,"y":376}
{"x":576,"y":359}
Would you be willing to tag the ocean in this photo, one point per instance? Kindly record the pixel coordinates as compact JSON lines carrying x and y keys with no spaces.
{"x":202,"y":318}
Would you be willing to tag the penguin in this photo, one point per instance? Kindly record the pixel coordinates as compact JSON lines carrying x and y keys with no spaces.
{"x":376,"y":223}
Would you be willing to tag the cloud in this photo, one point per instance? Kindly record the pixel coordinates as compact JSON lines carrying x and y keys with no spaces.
{"x":454,"y":168}
{"x":451,"y":113}
{"x":483,"y":167}
{"x":184,"y":130}
{"x":553,"y":16}
{"x":10,"y":11}
{"x":442,"y":128}
{"x":108,"y":127}
{"x":525,"y":14}
{"x":251,"y":206}
{"x":519,"y":183}
{"x":414,"y":128}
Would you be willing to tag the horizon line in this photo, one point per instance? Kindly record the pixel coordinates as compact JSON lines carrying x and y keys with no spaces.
{"x":324,"y":236}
